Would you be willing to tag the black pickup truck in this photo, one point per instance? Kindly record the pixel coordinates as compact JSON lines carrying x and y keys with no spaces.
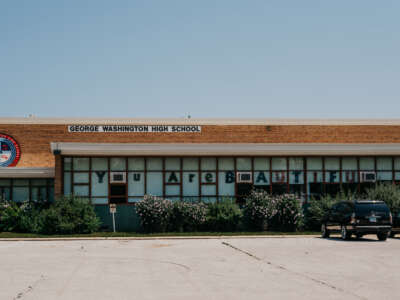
{"x":358,"y":218}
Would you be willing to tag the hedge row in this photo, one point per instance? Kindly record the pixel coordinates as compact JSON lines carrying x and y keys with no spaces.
{"x":66,"y":215}
{"x":261,"y":212}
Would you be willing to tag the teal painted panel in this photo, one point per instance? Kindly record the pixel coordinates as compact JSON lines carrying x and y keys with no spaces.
{"x":126,"y":218}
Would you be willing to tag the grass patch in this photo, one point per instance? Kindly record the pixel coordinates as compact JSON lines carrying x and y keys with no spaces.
{"x":6,"y":235}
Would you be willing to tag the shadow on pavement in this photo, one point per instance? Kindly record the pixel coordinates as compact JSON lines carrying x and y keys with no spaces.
{"x":363,"y":239}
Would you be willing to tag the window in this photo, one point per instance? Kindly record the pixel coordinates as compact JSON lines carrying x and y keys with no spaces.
{"x":208,"y":178}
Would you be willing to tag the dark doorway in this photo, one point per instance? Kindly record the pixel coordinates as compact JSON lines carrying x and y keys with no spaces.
{"x":243,"y":190}
{"x":117,"y":193}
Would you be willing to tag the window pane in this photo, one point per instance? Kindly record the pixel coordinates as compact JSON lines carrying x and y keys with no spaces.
{"x":206,"y":199}
{"x":208,"y":177}
{"x":134,"y":199}
{"x":296,"y":163}
{"x":261,"y":163}
{"x":100,"y":183}
{"x":172,"y":190}
{"x":332,"y":163}
{"x":5,"y":182}
{"x":67,"y":163}
{"x":367,"y":163}
{"x":296,"y":177}
{"x":172,"y":163}
{"x":154,"y":184}
{"x":384,"y":163}
{"x":314,"y":163}
{"x":136,"y":164}
{"x":226,"y":183}
{"x":190,"y":163}
{"x":20,"y":194}
{"x":261,"y":178}
{"x":39,"y":182}
{"x":43,"y":193}
{"x":384,"y":176}
{"x":154,"y":163}
{"x":172,"y":177}
{"x":81,"y":190}
{"x":243,"y":164}
{"x":279,"y":163}
{"x":226,"y":163}
{"x":314,"y":176}
{"x":349,"y":163}
{"x":332,"y":176}
{"x":5,"y":193}
{"x":99,"y":164}
{"x":208,"y":163}
{"x":99,"y":200}
{"x":81,"y":163}
{"x":190,"y":184}
{"x":397,"y":176}
{"x":173,"y":199}
{"x":397,"y":163}
{"x":81,"y":177}
{"x":208,"y":190}
{"x":279,"y":177}
{"x":51,"y":193}
{"x":136,"y":184}
{"x":67,"y":183}
{"x":35,"y":194}
{"x":350,"y":176}
{"x":117,"y":164}
{"x":21,"y":182}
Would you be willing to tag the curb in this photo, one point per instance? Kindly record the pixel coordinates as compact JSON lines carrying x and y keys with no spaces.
{"x":219,"y":237}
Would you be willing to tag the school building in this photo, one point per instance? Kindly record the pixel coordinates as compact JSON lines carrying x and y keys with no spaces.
{"x":121,"y":160}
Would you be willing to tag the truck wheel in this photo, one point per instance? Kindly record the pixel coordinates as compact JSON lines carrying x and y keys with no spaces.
{"x":324,"y":232}
{"x":392,"y":234}
{"x":382,"y":236}
{"x":344,"y":233}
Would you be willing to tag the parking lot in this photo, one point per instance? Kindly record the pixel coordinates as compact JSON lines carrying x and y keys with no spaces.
{"x":236,"y":268}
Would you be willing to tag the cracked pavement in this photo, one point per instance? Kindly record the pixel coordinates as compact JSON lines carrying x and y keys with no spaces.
{"x":245,"y":268}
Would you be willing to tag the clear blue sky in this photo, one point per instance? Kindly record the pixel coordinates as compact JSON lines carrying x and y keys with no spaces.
{"x":220,"y":58}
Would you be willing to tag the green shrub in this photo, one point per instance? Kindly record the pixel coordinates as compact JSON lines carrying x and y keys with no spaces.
{"x":289,"y":216}
{"x":69,"y":215}
{"x":316,"y":209}
{"x":224,"y":215}
{"x":259,"y":209}
{"x":389,"y":193}
{"x":19,"y":217}
{"x":186,"y":216}
{"x":10,"y":216}
{"x":154,"y":213}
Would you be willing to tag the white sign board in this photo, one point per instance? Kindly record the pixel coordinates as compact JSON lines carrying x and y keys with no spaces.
{"x":134,"y":128}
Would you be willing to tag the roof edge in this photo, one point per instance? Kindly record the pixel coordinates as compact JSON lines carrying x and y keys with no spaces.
{"x":199,"y":121}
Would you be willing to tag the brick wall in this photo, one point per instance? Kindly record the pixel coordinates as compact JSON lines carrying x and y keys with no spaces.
{"x":35,"y":139}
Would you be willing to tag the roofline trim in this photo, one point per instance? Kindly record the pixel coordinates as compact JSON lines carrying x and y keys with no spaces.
{"x":223,"y":149}
{"x":22,"y":172}
{"x":200,"y":121}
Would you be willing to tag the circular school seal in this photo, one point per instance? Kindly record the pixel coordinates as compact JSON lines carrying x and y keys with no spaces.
{"x":9,"y":151}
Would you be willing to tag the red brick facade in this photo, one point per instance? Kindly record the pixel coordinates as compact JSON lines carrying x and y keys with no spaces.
{"x":34,"y":140}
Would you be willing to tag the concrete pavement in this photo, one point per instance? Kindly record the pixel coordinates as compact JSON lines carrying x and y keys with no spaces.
{"x":246,"y":268}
